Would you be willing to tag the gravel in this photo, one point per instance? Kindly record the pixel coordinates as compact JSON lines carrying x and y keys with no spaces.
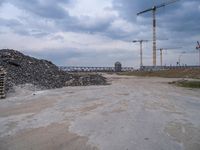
{"x":22,"y":69}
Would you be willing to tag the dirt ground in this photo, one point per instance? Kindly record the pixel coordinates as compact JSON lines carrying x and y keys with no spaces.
{"x":133,"y":113}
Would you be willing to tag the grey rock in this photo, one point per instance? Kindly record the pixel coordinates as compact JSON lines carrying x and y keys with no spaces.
{"x":22,"y":69}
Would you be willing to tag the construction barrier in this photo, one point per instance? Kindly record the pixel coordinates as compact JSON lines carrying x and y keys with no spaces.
{"x":2,"y":83}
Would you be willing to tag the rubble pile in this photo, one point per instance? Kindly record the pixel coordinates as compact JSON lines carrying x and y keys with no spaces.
{"x":22,"y":69}
{"x":86,"y":79}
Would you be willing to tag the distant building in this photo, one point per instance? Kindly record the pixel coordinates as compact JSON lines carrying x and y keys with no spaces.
{"x":118,"y":67}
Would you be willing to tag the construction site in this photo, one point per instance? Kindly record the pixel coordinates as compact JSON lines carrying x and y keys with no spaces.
{"x":155,"y":106}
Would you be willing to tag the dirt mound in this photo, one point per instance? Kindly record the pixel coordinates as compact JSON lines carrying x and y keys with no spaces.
{"x":22,"y":69}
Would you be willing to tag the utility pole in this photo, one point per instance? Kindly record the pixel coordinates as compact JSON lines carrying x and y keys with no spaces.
{"x":153,"y":9}
{"x":141,"y":52}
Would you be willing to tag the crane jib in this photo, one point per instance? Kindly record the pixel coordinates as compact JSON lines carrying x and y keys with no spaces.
{"x":158,"y":6}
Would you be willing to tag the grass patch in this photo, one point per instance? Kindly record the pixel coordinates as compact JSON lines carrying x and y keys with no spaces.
{"x":177,"y":73}
{"x":186,"y":83}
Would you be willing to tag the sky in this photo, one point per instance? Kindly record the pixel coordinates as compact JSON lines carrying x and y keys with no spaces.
{"x":100,"y":32}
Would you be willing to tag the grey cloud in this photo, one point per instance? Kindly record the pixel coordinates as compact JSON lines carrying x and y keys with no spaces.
{"x":58,"y":37}
{"x":37,"y":12}
{"x":98,"y":24}
{"x":177,"y":22}
{"x":1,"y":2}
{"x":48,"y":9}
{"x":63,"y":56}
{"x":14,"y":25}
{"x":58,"y":56}
{"x":170,"y":19}
{"x":173,"y":17}
{"x":129,"y":8}
{"x":54,"y":12}
{"x":184,"y":19}
{"x":85,"y":24}
{"x":19,"y":28}
{"x":9,"y":22}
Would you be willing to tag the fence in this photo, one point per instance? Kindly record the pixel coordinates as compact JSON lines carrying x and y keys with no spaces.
{"x":93,"y":69}
{"x":156,"y":68}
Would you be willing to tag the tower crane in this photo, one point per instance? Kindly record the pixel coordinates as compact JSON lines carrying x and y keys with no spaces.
{"x":198,"y":48}
{"x":198,"y":45}
{"x":161,"y":53}
{"x":141,"y":53}
{"x":179,"y":58}
{"x":153,"y":9}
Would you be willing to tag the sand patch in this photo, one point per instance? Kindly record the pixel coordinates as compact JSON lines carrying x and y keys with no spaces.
{"x":122,"y":106}
{"x":52,"y":137}
{"x":27,"y":107}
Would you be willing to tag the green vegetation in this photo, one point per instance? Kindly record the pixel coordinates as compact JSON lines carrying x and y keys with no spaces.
{"x":186,"y":83}
{"x":178,"y":73}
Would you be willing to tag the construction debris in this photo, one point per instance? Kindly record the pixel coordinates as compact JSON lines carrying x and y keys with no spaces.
{"x":43,"y":74}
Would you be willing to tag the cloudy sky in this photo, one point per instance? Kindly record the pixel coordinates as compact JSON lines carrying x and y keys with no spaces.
{"x":99,"y":32}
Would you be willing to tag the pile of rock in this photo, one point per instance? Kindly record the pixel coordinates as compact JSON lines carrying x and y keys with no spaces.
{"x":85,"y":80}
{"x":22,"y":69}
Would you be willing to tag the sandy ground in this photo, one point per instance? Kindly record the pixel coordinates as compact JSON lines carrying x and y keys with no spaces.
{"x":133,"y":113}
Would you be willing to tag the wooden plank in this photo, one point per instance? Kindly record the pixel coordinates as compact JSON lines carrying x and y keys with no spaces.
{"x":2,"y":83}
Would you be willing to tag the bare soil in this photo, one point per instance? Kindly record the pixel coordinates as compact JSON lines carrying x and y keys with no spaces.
{"x":137,"y":113}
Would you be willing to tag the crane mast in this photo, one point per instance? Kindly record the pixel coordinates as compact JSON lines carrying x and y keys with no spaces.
{"x":141,"y":52}
{"x":154,"y":37}
{"x":198,"y":48}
